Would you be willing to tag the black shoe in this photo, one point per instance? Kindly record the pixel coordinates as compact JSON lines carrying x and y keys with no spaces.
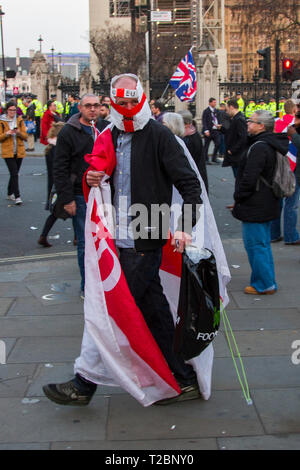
{"x":188,"y":392}
{"x":44,"y":242}
{"x":69,"y":393}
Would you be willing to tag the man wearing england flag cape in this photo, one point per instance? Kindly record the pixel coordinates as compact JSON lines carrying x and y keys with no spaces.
{"x":129,"y":323}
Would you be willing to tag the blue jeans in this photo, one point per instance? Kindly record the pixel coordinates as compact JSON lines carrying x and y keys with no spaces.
{"x":142,"y":275}
{"x":257,"y":242}
{"x":79,"y":225}
{"x":290,"y":215}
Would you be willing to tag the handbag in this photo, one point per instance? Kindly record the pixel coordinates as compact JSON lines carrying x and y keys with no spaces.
{"x":198,"y":311}
{"x":31,"y":127}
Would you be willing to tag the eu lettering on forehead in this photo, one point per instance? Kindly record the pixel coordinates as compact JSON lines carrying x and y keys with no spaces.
{"x":124,"y":93}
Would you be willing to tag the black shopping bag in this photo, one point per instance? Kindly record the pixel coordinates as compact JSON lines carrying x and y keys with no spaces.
{"x":56,"y":207}
{"x":198,"y":315}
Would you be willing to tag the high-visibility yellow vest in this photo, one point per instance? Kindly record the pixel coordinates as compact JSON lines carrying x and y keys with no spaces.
{"x":67,"y":108}
{"x":250,"y":109}
{"x":241,"y":104}
{"x":59,"y":107}
{"x":261,"y":106}
{"x":38,"y":108}
{"x":281,"y":109}
{"x":23,"y":108}
{"x":272,"y":108}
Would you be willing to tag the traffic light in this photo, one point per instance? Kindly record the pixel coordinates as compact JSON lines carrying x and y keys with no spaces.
{"x":265,"y":63}
{"x":287,"y":69}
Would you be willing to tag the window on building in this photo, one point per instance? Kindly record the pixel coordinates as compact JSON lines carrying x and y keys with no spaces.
{"x":235,"y":43}
{"x":119,"y":8}
{"x":236,"y":71}
{"x":292,"y":45}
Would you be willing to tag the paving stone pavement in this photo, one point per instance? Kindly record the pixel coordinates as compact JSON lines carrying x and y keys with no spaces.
{"x":41,"y":323}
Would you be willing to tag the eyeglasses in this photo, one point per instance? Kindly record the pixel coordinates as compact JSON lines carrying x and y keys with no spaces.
{"x":254,"y":122}
{"x":90,"y":105}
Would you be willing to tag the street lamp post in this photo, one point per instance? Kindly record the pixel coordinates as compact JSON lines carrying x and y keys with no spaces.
{"x":40,"y":41}
{"x":3,"y":59}
{"x":59,"y":62}
{"x":52,"y":54}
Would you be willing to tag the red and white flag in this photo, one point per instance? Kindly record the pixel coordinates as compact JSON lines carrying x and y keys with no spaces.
{"x":117,"y":346}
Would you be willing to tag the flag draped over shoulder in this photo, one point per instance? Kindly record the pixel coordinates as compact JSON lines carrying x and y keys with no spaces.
{"x":117,"y":346}
{"x":281,"y":125}
{"x":184,"y":79}
{"x":205,"y":235}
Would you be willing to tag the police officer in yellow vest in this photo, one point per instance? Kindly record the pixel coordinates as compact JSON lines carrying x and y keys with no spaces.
{"x":38,"y":115}
{"x":21,"y":104}
{"x":240,"y":102}
{"x":282,"y":100}
{"x":272,"y":106}
{"x":59,"y":105}
{"x":250,"y":108}
{"x":67,"y":110}
{"x":19,"y":101}
{"x":261,"y":105}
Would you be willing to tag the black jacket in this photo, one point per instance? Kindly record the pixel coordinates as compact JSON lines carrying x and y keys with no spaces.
{"x":73,"y":143}
{"x":207,"y":121}
{"x":158,"y":162}
{"x":235,"y":140}
{"x":252,"y":203}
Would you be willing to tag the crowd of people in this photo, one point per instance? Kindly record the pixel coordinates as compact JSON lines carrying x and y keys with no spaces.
{"x":150,"y":146}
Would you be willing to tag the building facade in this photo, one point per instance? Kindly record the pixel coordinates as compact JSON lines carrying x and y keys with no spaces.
{"x":191,"y":21}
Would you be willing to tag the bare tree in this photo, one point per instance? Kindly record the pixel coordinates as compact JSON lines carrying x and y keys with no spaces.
{"x":167,"y":52}
{"x":272,"y":18}
{"x":117,"y":50}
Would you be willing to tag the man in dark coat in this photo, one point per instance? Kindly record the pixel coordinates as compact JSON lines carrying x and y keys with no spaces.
{"x":210,"y":128}
{"x":255,"y":203}
{"x":74,"y":141}
{"x":235,"y":136}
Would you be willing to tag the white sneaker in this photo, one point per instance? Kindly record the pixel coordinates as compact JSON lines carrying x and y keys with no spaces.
{"x":11,"y":197}
{"x":18,"y":201}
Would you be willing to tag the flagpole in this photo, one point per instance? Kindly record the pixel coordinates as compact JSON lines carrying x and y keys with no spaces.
{"x":164,"y":91}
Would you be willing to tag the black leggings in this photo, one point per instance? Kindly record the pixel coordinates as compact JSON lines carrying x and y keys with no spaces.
{"x":13,"y":165}
{"x":48,"y":225}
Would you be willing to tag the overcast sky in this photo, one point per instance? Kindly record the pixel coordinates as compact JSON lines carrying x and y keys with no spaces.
{"x":62,"y":24}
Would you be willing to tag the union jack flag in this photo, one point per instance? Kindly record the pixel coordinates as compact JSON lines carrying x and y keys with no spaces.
{"x":184,"y":79}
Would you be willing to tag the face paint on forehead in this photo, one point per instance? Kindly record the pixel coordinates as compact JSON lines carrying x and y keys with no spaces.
{"x":124,"y":93}
{"x":139,"y":114}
